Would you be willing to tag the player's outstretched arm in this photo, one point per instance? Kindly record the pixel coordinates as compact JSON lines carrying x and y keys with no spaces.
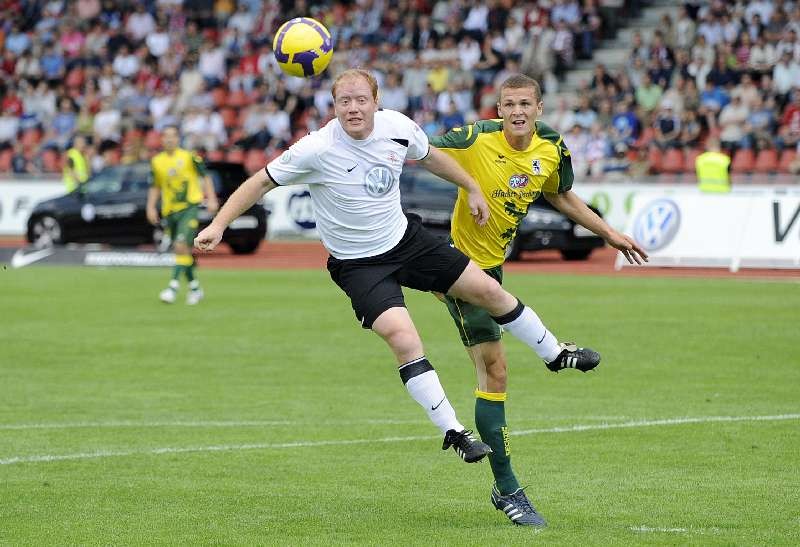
{"x":574,"y":207}
{"x":240,"y":201}
{"x":439,"y":163}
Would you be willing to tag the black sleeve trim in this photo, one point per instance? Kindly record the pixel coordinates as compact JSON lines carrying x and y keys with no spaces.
{"x":404,"y":142}
{"x":266,"y":168}
{"x":426,"y":153}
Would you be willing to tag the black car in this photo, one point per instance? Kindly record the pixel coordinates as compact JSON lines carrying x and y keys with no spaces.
{"x":110,"y":208}
{"x":544,"y":227}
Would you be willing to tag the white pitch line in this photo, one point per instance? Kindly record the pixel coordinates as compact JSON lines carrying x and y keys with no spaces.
{"x":665,"y":421}
{"x":236,"y":423}
{"x":346,"y":442}
{"x":196,"y":423}
{"x":647,"y":530}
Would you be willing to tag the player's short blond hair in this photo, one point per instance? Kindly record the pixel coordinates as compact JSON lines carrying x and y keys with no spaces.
{"x":520,"y":81}
{"x":357,"y":73}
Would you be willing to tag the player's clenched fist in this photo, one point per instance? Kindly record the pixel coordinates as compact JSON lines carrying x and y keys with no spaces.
{"x":208,"y":238}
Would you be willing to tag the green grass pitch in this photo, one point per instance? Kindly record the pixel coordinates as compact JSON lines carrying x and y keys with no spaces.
{"x":267,"y":416}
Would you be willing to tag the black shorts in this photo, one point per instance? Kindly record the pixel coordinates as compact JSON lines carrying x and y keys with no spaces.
{"x":419,"y":261}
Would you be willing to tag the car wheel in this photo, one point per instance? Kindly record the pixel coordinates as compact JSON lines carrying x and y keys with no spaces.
{"x":46,"y":231}
{"x":244,"y":247}
{"x":582,"y":254}
{"x":513,"y":250}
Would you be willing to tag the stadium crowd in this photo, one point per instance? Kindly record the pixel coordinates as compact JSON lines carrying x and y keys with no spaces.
{"x":120,"y":71}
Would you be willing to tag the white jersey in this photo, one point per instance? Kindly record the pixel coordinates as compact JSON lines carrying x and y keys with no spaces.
{"x":354,"y":184}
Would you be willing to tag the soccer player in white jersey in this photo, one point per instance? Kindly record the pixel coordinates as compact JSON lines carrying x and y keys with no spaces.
{"x":352,"y":167}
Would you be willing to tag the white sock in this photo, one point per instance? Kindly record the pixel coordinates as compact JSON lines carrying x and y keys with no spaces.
{"x":530,"y":329}
{"x":174,"y":285}
{"x":428,"y":392}
{"x":194,"y":284}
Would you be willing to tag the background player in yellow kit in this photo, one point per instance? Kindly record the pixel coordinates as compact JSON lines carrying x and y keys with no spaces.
{"x":514,"y":159}
{"x":180,"y":179}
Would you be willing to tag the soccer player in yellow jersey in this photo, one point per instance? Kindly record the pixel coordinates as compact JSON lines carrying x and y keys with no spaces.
{"x":514,"y":159}
{"x":180,"y":180}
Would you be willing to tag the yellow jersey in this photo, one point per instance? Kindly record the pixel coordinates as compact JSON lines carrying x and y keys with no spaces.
{"x":510,"y":179}
{"x":178,"y":176}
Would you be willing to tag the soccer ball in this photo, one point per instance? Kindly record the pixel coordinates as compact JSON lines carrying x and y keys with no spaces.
{"x":303,"y":47}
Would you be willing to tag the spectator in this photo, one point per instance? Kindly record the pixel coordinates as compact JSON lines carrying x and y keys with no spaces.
{"x":732,"y":120}
{"x":107,"y":124}
{"x":140,"y":23}
{"x":211,"y":64}
{"x":597,"y":150}
{"x":126,"y":63}
{"x":789,"y":130}
{"x":691,"y":130}
{"x":763,"y":56}
{"x":564,"y":49}
{"x":9,"y":128}
{"x":685,"y":29}
{"x":393,"y":95}
{"x":563,"y":118}
{"x":760,"y":126}
{"x":585,"y":116}
{"x":667,"y":127}
{"x":452,"y":118}
{"x":53,"y":65}
{"x":158,"y":41}
{"x":577,"y":141}
{"x":278,"y":123}
{"x":624,"y":124}
{"x":785,"y":75}
{"x":64,"y":123}
{"x":648,"y":95}
{"x":20,"y":164}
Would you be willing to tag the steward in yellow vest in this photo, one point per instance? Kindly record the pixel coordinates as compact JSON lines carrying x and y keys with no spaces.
{"x":76,"y":168}
{"x":713,"y":168}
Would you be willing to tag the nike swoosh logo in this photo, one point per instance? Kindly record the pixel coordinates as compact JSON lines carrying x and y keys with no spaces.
{"x":20,"y":259}
{"x":539,"y":341}
{"x":439,"y":403}
{"x":348,"y":170}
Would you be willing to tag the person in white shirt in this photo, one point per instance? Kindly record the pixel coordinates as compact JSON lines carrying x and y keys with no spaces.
{"x":352,"y":167}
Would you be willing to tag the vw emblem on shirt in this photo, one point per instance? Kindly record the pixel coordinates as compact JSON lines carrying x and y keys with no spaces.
{"x":378,"y":180}
{"x":656,"y":226}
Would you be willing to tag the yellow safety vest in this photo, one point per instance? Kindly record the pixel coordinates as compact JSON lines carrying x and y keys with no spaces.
{"x":712,"y":172}
{"x":81,"y":170}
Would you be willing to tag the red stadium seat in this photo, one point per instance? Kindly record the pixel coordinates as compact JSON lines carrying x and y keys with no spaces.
{"x":654,"y":157}
{"x":645,"y":137}
{"x":235,"y":155}
{"x":787,"y":157}
{"x":5,"y":160}
{"x":744,"y":160}
{"x":152,"y":140}
{"x":220,"y":96}
{"x":689,"y":157}
{"x":766,"y":161}
{"x":238,"y":99}
{"x":254,"y":160}
{"x":215,"y":155}
{"x":672,"y":161}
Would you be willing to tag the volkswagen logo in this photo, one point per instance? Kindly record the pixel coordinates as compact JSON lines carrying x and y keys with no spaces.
{"x":655,"y":227}
{"x":378,"y":180}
